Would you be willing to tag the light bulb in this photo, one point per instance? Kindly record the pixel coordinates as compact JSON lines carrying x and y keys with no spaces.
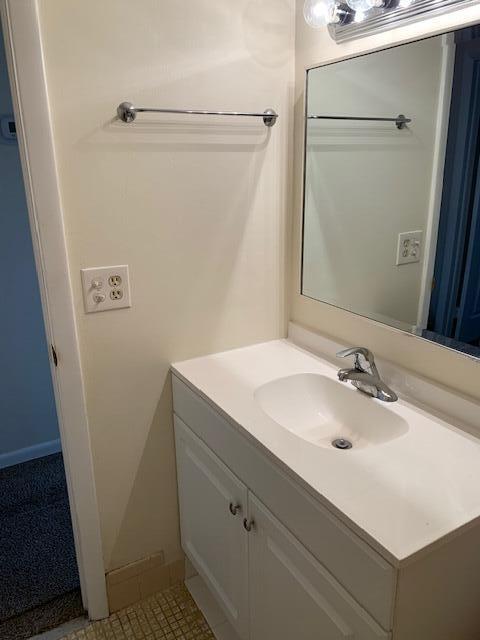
{"x":361,"y":5}
{"x":319,"y":13}
{"x":359,"y":16}
{"x":405,"y":3}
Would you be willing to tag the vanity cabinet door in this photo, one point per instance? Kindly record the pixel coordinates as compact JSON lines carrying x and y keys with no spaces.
{"x":212,"y":508}
{"x":292,"y":595}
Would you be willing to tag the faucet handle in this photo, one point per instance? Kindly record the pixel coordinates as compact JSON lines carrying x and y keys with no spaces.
{"x":357,"y":352}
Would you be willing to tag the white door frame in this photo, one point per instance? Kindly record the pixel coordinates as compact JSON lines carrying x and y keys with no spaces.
{"x":24,"y":51}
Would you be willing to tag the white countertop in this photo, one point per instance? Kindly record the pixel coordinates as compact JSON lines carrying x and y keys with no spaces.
{"x":404,"y":495}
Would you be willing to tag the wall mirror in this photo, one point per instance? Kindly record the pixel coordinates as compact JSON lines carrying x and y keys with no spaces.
{"x":392,"y":187}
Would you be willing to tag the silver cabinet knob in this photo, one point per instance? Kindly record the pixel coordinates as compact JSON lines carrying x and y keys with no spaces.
{"x":234,"y":508}
{"x":248,"y":524}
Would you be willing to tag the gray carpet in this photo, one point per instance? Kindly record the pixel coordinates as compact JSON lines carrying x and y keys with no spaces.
{"x":37,"y":555}
{"x":43,"y":618}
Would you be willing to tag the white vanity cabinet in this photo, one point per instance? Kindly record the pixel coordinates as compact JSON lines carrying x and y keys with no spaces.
{"x":267,"y":582}
{"x":363,"y":560}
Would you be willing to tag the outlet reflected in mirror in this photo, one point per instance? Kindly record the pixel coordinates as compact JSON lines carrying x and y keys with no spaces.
{"x":392,"y":188}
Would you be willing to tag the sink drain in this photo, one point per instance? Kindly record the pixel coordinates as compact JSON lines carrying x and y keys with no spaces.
{"x":341,"y":443}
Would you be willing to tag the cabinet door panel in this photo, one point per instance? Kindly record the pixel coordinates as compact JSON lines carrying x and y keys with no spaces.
{"x":294,"y":596}
{"x":212,"y":537}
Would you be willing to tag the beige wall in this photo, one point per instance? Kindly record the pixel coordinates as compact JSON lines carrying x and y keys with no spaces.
{"x":315,"y":47}
{"x":196,"y":208}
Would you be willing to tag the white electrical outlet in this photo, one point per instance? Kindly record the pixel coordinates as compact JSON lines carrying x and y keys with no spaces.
{"x":409,"y":247}
{"x":106,"y":288}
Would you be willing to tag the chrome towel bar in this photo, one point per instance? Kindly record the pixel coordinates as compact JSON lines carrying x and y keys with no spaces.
{"x":400,"y":120}
{"x":127,"y":113}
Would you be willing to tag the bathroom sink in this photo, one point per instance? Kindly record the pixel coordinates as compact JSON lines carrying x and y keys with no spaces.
{"x":327,"y":413}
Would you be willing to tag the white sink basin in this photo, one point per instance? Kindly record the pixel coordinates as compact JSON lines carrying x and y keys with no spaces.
{"x":321,"y":410}
{"x":411,"y":479}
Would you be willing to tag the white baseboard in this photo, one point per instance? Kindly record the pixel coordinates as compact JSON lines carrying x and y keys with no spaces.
{"x":29,"y":453}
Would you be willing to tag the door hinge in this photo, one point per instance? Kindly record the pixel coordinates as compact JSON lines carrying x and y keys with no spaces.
{"x":54,"y":356}
{"x":434,"y":283}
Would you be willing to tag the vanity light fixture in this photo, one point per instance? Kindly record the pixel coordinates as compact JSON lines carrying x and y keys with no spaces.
{"x":320,"y":13}
{"x":349,"y":19}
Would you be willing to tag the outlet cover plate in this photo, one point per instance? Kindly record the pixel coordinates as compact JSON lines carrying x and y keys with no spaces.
{"x":409,"y":247}
{"x":106,"y":288}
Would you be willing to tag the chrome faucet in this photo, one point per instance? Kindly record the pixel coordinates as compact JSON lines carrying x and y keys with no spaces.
{"x":364,"y":374}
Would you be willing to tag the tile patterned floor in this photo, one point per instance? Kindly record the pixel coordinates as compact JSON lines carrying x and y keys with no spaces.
{"x":169,"y":615}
